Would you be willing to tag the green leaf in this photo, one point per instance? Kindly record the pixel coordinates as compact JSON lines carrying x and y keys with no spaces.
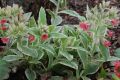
{"x":4,"y":70}
{"x":42,"y":17}
{"x":66,"y":55}
{"x":64,"y":43}
{"x":30,"y":74}
{"x":50,"y":62}
{"x":117,"y":52}
{"x":27,"y":51}
{"x":10,"y":58}
{"x":34,"y":61}
{"x":112,"y":58}
{"x":83,"y":56}
{"x":40,"y":54}
{"x":27,"y":16}
{"x":48,"y":48}
{"x":68,"y":41}
{"x":30,"y":52}
{"x":71,"y":64}
{"x":32,"y":22}
{"x":51,"y":28}
{"x":18,"y":53}
{"x":85,"y":38}
{"x":92,"y":67}
{"x":83,"y":49}
{"x":73,"y":13}
{"x":57,"y":29}
{"x":34,"y":31}
{"x":69,"y":30}
{"x":58,"y":35}
{"x":52,"y":14}
{"x":105,"y":52}
{"x":88,"y":12}
{"x":57,"y":20}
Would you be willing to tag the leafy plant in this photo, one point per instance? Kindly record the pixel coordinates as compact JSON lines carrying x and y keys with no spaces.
{"x":4,"y":70}
{"x":79,"y":49}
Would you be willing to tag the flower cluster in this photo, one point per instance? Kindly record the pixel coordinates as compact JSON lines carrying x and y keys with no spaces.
{"x":114,"y":22}
{"x":110,"y":34}
{"x":38,"y":42}
{"x":43,"y":37}
{"x":5,"y":40}
{"x":4,"y":28}
{"x":3,"y":22}
{"x":86,"y":26}
{"x":31,"y":38}
{"x":107,"y":43}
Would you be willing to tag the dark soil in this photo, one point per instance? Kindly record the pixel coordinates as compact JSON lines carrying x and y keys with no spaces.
{"x":19,"y":75}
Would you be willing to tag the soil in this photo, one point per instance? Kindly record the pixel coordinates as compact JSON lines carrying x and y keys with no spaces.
{"x":19,"y":75}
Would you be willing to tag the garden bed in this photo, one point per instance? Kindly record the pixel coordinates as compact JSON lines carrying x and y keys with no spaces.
{"x":58,"y":43}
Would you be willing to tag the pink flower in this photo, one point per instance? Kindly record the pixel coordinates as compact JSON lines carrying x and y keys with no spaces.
{"x":110,"y":33}
{"x":4,"y":28}
{"x":84,"y":26}
{"x":117,"y":68}
{"x":31,"y":38}
{"x":3,"y":21}
{"x":5,"y":39}
{"x":114,"y":22}
{"x":44,"y":37}
{"x":107,"y":43}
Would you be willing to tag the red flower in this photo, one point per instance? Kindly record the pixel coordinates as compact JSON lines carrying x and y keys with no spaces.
{"x":114,"y":22}
{"x":4,"y":28}
{"x":117,"y":68}
{"x":85,"y":26}
{"x":107,"y":43}
{"x":31,"y":38}
{"x":3,"y":21}
{"x":44,"y":37}
{"x":110,"y":33}
{"x":5,"y":40}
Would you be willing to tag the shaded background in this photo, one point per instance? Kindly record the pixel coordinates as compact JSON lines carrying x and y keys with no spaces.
{"x":77,"y":5}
